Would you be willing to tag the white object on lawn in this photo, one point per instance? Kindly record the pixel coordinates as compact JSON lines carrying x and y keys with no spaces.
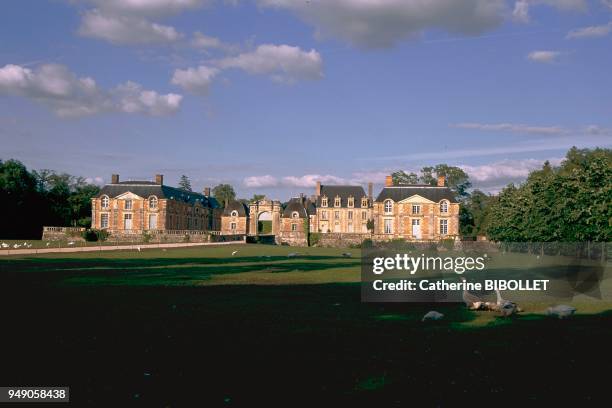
{"x":472,"y":301}
{"x":432,"y":315}
{"x":561,"y":311}
{"x":234,"y":253}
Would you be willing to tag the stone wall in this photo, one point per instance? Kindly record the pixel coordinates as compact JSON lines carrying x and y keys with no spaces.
{"x":341,"y":240}
{"x":63,"y":234}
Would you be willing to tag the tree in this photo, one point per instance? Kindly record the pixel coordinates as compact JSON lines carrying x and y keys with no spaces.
{"x":401,"y":177}
{"x":475,"y":214}
{"x":456,"y":178}
{"x":224,"y":193}
{"x":185,"y":183}
{"x":257,"y":197}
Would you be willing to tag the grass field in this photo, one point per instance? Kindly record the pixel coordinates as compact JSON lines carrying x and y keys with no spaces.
{"x":163,"y":327}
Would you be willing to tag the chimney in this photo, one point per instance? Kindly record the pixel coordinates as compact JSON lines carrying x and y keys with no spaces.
{"x":159,"y":179}
{"x":441,"y":181}
{"x":302,"y":198}
{"x":389,"y":181}
{"x":370,"y":191}
{"x":114,"y":178}
{"x":207,"y":191}
{"x":318,"y":189}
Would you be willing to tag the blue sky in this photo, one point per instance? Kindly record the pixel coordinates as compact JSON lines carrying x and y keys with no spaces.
{"x":272,"y":95}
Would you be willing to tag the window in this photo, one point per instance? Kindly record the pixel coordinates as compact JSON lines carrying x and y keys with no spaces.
{"x":337,"y":227}
{"x":152,"y":221}
{"x":128,"y":204}
{"x":336,"y":215}
{"x":293,"y":227}
{"x":323,"y":215}
{"x":443,"y":227}
{"x":444,"y":206}
{"x":323,"y":201}
{"x":152,"y":202}
{"x":364,"y":202}
{"x":105,"y":201}
{"x":388,"y":207}
{"x":234,"y":213}
{"x":337,"y":202}
{"x":295,"y":214}
{"x":364,"y":227}
{"x":416,"y":209}
{"x":350,"y":227}
{"x":351,"y":202}
{"x":127,"y":221}
{"x":103,"y":220}
{"x":364,"y":215}
{"x":350,"y":215}
{"x":388,"y":226}
{"x":233,"y":226}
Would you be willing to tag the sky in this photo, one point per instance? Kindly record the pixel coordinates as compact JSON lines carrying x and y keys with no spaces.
{"x":272,"y":95}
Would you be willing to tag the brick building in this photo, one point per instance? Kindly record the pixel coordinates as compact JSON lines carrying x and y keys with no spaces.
{"x":235,"y":219}
{"x":342,"y":209}
{"x":416,"y":212}
{"x":130,"y":207}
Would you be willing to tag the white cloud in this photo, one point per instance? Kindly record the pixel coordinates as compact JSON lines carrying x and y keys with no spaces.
{"x":521,"y":11}
{"x":282,"y":63}
{"x":607,"y":3}
{"x":205,"y":42}
{"x":196,"y":80}
{"x":95,"y":180}
{"x":261,"y":181}
{"x":590,"y":32}
{"x":513,"y":128}
{"x":126,"y":30}
{"x":310,"y":180}
{"x":67,"y":95}
{"x":383,"y":23}
{"x":545,"y":57}
{"x":133,"y":99}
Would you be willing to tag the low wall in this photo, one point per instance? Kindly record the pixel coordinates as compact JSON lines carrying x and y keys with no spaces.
{"x":63,"y":234}
{"x":340,"y":240}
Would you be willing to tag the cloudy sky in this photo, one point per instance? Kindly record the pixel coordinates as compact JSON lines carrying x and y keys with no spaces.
{"x":272,"y":95}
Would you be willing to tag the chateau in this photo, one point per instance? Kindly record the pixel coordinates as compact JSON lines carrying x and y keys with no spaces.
{"x":335,"y":213}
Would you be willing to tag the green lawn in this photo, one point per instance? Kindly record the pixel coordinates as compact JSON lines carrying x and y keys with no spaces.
{"x":165,"y":327}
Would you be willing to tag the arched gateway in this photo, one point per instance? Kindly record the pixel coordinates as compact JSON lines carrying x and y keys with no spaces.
{"x":264,"y":217}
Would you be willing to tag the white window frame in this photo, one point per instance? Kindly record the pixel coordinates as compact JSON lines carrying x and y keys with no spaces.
{"x":153,"y":216}
{"x":128,"y":216}
{"x":416,"y":208}
{"x":388,"y":225}
{"x":336,"y":215}
{"x":323,"y":201}
{"x":350,"y":215}
{"x":233,"y":226}
{"x":153,"y":202}
{"x":351,"y":202}
{"x":364,"y":215}
{"x":324,"y":215}
{"x":443,"y":226}
{"x":127,"y":205}
{"x":295,"y":214}
{"x":444,"y":206}
{"x":102,"y":217}
{"x":104,"y":201}
{"x":364,"y":202}
{"x":337,"y":202}
{"x":388,"y":206}
{"x":234,"y":213}
{"x":293,"y":227}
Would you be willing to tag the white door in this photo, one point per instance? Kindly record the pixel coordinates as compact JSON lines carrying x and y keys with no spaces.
{"x":152,"y":221}
{"x":127,"y":221}
{"x":416,"y":228}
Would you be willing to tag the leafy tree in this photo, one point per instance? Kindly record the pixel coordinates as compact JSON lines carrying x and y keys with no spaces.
{"x":401,"y":177}
{"x":257,"y":197}
{"x":224,"y":193}
{"x":185,"y":183}
{"x":475,"y":214}
{"x":456,"y":178}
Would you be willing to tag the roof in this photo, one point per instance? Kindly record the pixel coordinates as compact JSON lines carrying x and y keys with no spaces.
{"x":344,"y":192}
{"x":433,"y":193}
{"x":147,"y":188}
{"x":238,"y":206}
{"x":304,"y":207}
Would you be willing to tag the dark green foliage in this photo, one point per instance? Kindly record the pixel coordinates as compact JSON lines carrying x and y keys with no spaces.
{"x":185,"y":183}
{"x":94,"y":235}
{"x":570,"y":203}
{"x":29,"y":200}
{"x":475,"y":214}
{"x":401,"y":177}
{"x":224,"y":193}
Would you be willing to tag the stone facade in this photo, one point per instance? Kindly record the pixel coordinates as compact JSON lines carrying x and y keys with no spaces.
{"x":235,"y":219}
{"x":416,"y":212}
{"x":134,"y":207}
{"x":296,"y":221}
{"x":342,"y":209}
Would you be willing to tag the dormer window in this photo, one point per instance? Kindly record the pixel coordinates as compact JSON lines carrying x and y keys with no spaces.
{"x":295,"y":214}
{"x":152,"y":202}
{"x":416,"y":209}
{"x":234,"y":213}
{"x":444,"y":206}
{"x":323,"y":201}
{"x":128,"y":205}
{"x":364,"y":202}
{"x":105,"y":201}
{"x":351,"y":202}
{"x":388,"y":207}
{"x":337,"y":202}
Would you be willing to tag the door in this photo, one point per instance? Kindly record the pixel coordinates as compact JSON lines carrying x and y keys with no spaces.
{"x":416,"y":228}
{"x":127,"y":221}
{"x":152,"y":221}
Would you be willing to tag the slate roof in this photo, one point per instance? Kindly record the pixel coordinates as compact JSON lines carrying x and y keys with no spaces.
{"x":344,"y":192}
{"x":399,"y":193}
{"x":235,"y":205}
{"x":148,"y":188}
{"x":304,"y":207}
